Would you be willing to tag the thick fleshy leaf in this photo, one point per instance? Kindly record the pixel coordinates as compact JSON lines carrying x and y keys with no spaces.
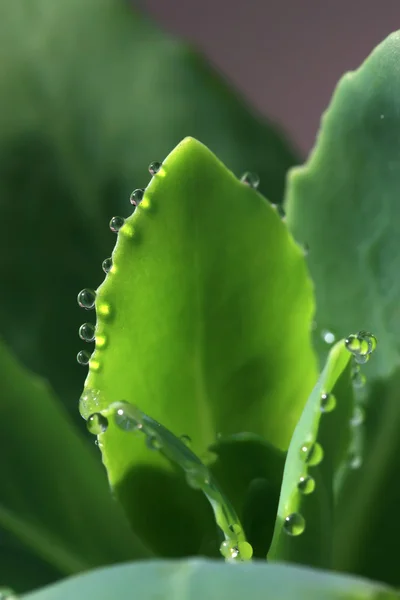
{"x":53,"y":495}
{"x":207,"y":306}
{"x":344,"y":203}
{"x":304,"y":526}
{"x":367,"y":529}
{"x":199,"y":579}
{"x":90,"y":93}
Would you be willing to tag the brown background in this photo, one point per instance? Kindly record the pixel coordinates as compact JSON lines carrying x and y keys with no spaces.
{"x":284,"y":55}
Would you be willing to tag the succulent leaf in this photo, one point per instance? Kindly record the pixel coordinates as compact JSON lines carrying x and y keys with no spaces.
{"x":197,"y":579}
{"x":185,"y":318}
{"x":304,"y":525}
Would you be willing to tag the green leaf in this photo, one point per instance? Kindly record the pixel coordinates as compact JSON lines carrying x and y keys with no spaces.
{"x":53,"y":494}
{"x":250,"y":472}
{"x":91,"y":92}
{"x":205,"y":311}
{"x":21,"y":569}
{"x":304,"y":525}
{"x":368,"y":529}
{"x":198,"y":579}
{"x":344,"y":204}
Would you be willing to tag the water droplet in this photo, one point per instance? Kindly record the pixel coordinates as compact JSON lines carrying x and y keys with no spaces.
{"x":358,"y":416}
{"x":86,"y":332}
{"x":311,"y":453}
{"x":124,"y":419}
{"x":236,"y":529}
{"x":294,"y":524}
{"x":97,"y":423}
{"x":116,"y":223}
{"x":361,"y":359}
{"x":89,"y":402}
{"x":137,"y":196}
{"x":186,"y":440}
{"x":361,"y":345}
{"x":250,"y":179}
{"x":328,"y":403}
{"x":235,"y":550}
{"x":83,"y":357}
{"x":358,"y":378}
{"x":353,"y":344}
{"x":197,"y":477}
{"x":306,"y":485}
{"x":354,"y":460}
{"x":154,"y":167}
{"x":106,"y":265}
{"x":87,"y":298}
{"x":328,"y":336}
{"x":153,"y":442}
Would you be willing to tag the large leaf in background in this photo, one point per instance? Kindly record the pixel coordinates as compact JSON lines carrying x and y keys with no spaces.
{"x":207,"y":306}
{"x":53,"y":494}
{"x":304,"y":525}
{"x":344,"y":203}
{"x":368,"y":528}
{"x":21,"y":569}
{"x":91,"y":92}
{"x":199,"y":579}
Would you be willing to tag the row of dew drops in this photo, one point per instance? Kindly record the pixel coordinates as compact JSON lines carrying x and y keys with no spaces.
{"x":361,"y":345}
{"x":87,"y":297}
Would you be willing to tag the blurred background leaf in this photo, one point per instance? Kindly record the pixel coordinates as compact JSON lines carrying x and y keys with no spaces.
{"x":54,"y":496}
{"x":344,"y":203}
{"x":90,"y":94}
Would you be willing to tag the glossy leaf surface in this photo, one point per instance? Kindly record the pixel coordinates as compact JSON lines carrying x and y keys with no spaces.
{"x":304,"y":525}
{"x":344,"y":204}
{"x":187,"y":325}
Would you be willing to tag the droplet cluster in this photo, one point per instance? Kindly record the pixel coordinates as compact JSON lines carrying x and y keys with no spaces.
{"x":361,"y":345}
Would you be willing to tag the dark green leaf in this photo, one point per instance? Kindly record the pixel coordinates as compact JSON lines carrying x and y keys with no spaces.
{"x":53,"y":495}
